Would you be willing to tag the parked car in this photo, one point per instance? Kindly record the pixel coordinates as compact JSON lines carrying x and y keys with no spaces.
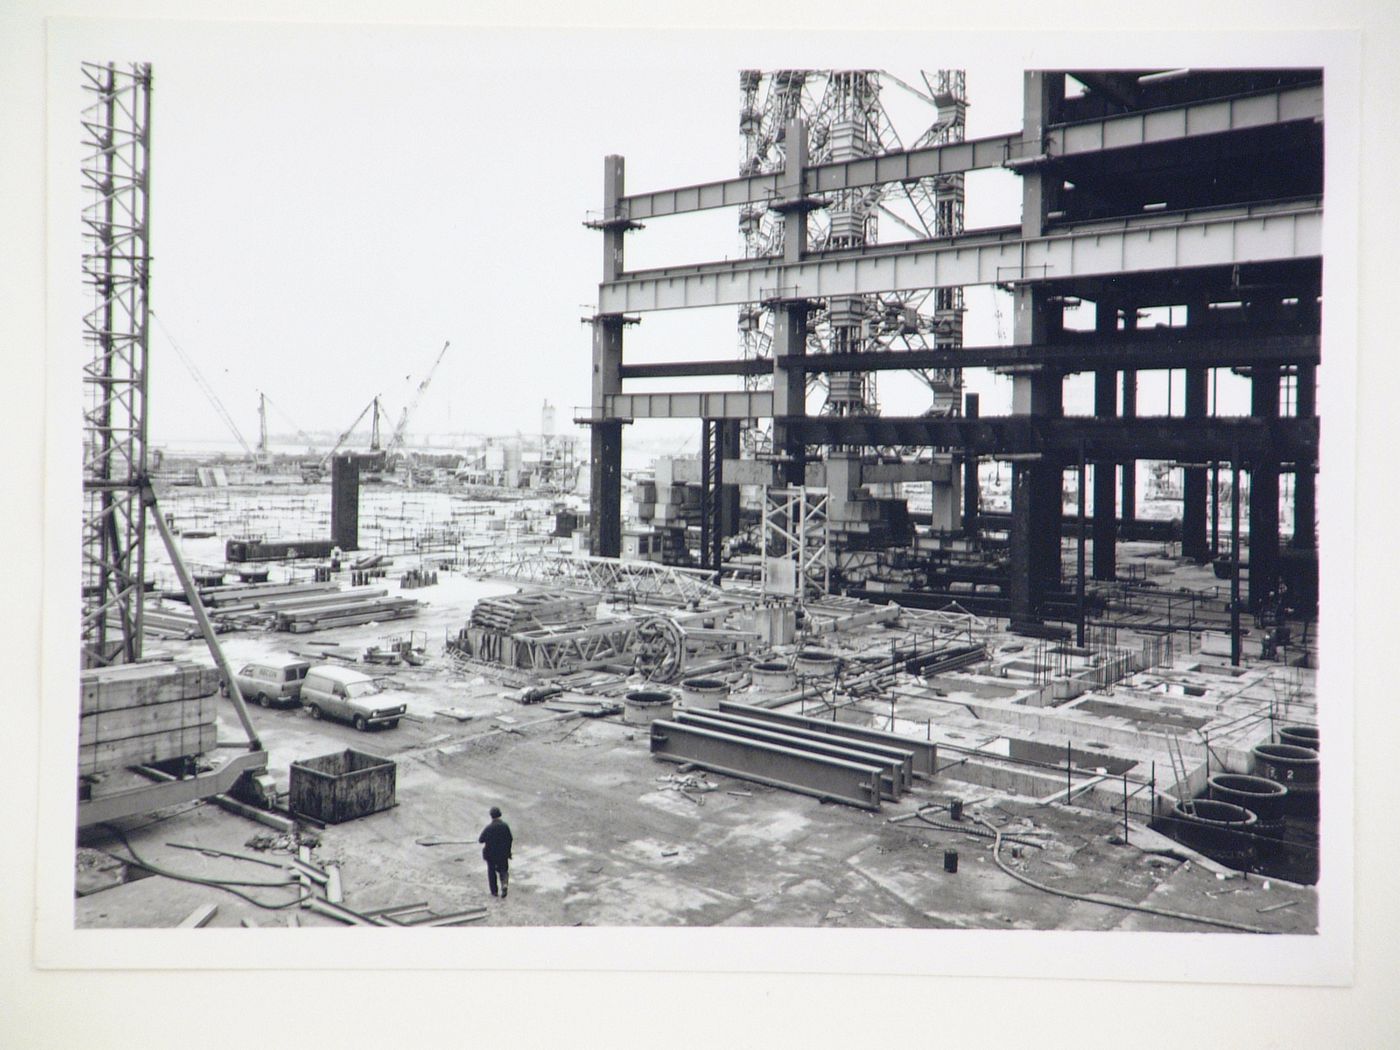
{"x":273,"y":682}
{"x":329,"y":691}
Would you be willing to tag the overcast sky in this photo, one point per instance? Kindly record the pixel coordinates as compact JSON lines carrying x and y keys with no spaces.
{"x":329,"y":205}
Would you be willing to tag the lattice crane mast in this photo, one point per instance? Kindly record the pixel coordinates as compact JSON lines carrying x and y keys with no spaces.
{"x":345,"y":434}
{"x":396,"y":439}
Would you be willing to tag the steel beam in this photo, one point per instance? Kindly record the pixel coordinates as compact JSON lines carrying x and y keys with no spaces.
{"x":1143,"y":351}
{"x":1211,"y":117}
{"x":891,"y":778}
{"x":899,"y":761}
{"x":1142,"y":437}
{"x":1167,"y":348}
{"x":1120,"y":131}
{"x":1138,"y":244}
{"x":721,"y":404}
{"x":925,"y":753}
{"x":836,"y":779}
{"x":897,"y":166}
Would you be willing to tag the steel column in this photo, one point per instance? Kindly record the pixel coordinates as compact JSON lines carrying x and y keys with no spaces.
{"x":1105,"y":471}
{"x":1128,"y":499}
{"x":1195,"y":542}
{"x":1263,"y":497}
{"x":972,"y":497}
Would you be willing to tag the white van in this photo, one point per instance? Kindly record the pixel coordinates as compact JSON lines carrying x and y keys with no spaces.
{"x":351,"y":696}
{"x":271,"y":682}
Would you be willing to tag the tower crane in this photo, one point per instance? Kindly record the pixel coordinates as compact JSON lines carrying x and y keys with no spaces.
{"x":395,"y":444}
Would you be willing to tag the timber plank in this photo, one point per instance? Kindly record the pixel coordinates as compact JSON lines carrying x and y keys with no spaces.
{"x":104,"y":726}
{"x":144,"y":750}
{"x":114,"y":688}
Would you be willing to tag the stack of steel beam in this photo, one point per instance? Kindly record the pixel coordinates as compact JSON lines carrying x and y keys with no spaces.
{"x":831,"y":761}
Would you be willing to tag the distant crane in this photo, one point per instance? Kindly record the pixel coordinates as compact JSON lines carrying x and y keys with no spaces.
{"x":208,"y":391}
{"x":303,"y":435}
{"x":396,"y":439}
{"x":345,"y":435}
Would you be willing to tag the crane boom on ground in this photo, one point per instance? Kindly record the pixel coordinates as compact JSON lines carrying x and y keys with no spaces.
{"x":396,"y":440}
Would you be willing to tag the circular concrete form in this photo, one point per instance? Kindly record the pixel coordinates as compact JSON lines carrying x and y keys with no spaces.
{"x":772,"y":676}
{"x":1289,"y":764}
{"x":1299,"y":736}
{"x":1217,"y":829}
{"x":816,"y":663}
{"x":703,"y":692}
{"x":1266,"y":799}
{"x":644,"y":706}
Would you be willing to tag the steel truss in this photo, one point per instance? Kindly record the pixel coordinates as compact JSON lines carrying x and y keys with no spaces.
{"x":638,"y":581}
{"x":116,"y":266}
{"x":796,"y":552}
{"x":654,"y":645}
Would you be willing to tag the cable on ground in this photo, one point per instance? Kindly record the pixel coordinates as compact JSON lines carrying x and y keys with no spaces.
{"x":227,"y":885}
{"x":1109,"y":901}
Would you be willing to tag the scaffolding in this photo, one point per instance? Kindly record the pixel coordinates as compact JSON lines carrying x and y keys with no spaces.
{"x":796,"y":550}
{"x":116,"y":266}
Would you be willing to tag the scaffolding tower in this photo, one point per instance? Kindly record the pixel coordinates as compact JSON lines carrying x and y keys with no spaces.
{"x":116,"y":266}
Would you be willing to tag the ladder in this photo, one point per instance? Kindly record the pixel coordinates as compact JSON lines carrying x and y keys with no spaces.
{"x":1188,"y":805}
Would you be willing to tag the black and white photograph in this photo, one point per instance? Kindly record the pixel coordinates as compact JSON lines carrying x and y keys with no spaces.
{"x":545,"y":497}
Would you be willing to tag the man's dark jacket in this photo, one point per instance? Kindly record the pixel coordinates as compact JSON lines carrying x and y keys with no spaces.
{"x":497,"y":839}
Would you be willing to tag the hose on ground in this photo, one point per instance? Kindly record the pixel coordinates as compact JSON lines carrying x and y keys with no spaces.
{"x":227,"y":885}
{"x":966,"y":829}
{"x":1108,"y":901}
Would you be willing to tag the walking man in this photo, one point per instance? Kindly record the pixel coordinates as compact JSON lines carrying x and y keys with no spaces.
{"x":496,"y":840}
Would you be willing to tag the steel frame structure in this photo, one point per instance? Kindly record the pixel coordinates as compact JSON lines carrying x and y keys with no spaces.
{"x":1202,"y":190}
{"x":116,"y":265}
{"x":1190,"y":120}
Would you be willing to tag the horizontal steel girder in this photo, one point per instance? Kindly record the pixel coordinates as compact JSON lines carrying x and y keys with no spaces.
{"x":838,"y":780}
{"x":1210,"y":117}
{"x":1106,"y":440}
{"x":1135,"y":437}
{"x":1139,"y":244}
{"x":898,"y":763}
{"x":1131,"y":129}
{"x":1141,"y":351}
{"x":731,"y":404}
{"x":925,"y":753}
{"x":898,"y":166}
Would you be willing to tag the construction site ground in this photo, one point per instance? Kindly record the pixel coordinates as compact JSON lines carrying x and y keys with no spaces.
{"x":606,"y":835}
